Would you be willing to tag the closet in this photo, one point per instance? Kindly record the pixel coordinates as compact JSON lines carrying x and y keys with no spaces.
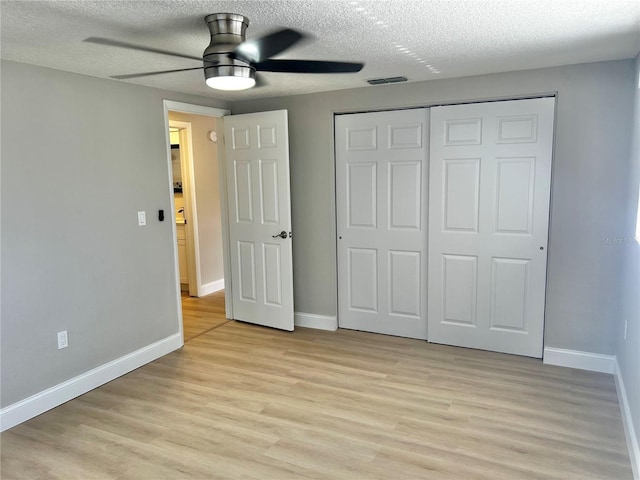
{"x":442,"y":222}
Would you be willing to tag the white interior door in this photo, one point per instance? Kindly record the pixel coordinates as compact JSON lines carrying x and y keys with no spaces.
{"x":257,"y":172}
{"x":490,"y":173}
{"x":381,"y":195}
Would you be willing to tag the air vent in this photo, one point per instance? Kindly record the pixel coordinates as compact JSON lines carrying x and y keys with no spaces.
{"x":382,"y":81}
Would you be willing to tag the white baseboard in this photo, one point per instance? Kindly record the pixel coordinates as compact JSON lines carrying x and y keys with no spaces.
{"x":211,"y":287}
{"x":594,"y":362}
{"x":57,"y":395}
{"x":319,"y":322}
{"x":627,"y":421}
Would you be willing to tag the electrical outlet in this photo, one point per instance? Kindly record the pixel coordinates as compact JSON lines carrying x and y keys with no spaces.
{"x":142,"y":218}
{"x":63,"y":340}
{"x":626,"y":324}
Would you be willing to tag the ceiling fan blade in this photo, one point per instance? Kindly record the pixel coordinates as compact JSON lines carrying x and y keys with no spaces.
{"x":148,"y":74}
{"x":131,"y":46}
{"x":308,"y":66}
{"x":259,"y":49}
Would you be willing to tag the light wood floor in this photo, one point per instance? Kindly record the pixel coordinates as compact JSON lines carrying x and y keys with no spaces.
{"x":199,"y":315}
{"x":246,"y":402}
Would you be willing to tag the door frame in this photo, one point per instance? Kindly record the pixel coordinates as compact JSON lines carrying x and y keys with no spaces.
{"x":171,"y":105}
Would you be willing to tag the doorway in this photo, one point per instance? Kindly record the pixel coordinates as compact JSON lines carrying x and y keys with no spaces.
{"x":198,"y":210}
{"x":184,"y":205}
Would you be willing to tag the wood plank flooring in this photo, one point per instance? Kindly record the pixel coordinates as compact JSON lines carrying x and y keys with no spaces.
{"x":246,"y":402}
{"x":199,"y":315}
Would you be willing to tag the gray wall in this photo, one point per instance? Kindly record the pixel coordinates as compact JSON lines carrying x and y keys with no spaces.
{"x":591,"y":158}
{"x":628,"y":351}
{"x":80,"y":156}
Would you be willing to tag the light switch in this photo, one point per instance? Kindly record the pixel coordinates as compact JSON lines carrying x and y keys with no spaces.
{"x":142,"y":218}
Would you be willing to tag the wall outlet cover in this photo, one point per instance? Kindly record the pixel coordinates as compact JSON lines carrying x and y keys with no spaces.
{"x":63,"y":340}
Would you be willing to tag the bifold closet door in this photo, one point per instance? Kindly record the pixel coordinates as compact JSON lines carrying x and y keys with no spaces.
{"x":490,"y":174}
{"x":381,"y":199}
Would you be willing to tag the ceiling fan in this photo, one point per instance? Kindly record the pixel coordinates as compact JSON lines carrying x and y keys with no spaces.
{"x":230,"y":62}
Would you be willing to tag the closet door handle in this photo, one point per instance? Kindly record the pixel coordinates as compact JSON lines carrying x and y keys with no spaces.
{"x":282,"y":234}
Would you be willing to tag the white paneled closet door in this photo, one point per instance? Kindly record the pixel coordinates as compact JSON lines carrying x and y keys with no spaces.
{"x":381,"y":199}
{"x":490,"y":173}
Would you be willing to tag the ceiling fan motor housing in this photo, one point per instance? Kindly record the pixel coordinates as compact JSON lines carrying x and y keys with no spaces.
{"x":227,"y":32}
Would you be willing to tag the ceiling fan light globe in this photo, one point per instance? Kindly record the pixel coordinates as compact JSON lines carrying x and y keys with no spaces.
{"x":230,"y":83}
{"x":237,"y":75}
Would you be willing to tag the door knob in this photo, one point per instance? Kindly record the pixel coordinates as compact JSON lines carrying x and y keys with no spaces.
{"x":282,"y":234}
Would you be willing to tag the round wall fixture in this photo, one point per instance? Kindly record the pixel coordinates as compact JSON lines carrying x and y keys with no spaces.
{"x":213,"y":136}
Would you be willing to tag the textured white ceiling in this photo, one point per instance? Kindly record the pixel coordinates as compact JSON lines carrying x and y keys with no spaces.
{"x":421,"y":40}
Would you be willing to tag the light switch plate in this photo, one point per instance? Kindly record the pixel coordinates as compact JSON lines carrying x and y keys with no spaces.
{"x":142,"y":218}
